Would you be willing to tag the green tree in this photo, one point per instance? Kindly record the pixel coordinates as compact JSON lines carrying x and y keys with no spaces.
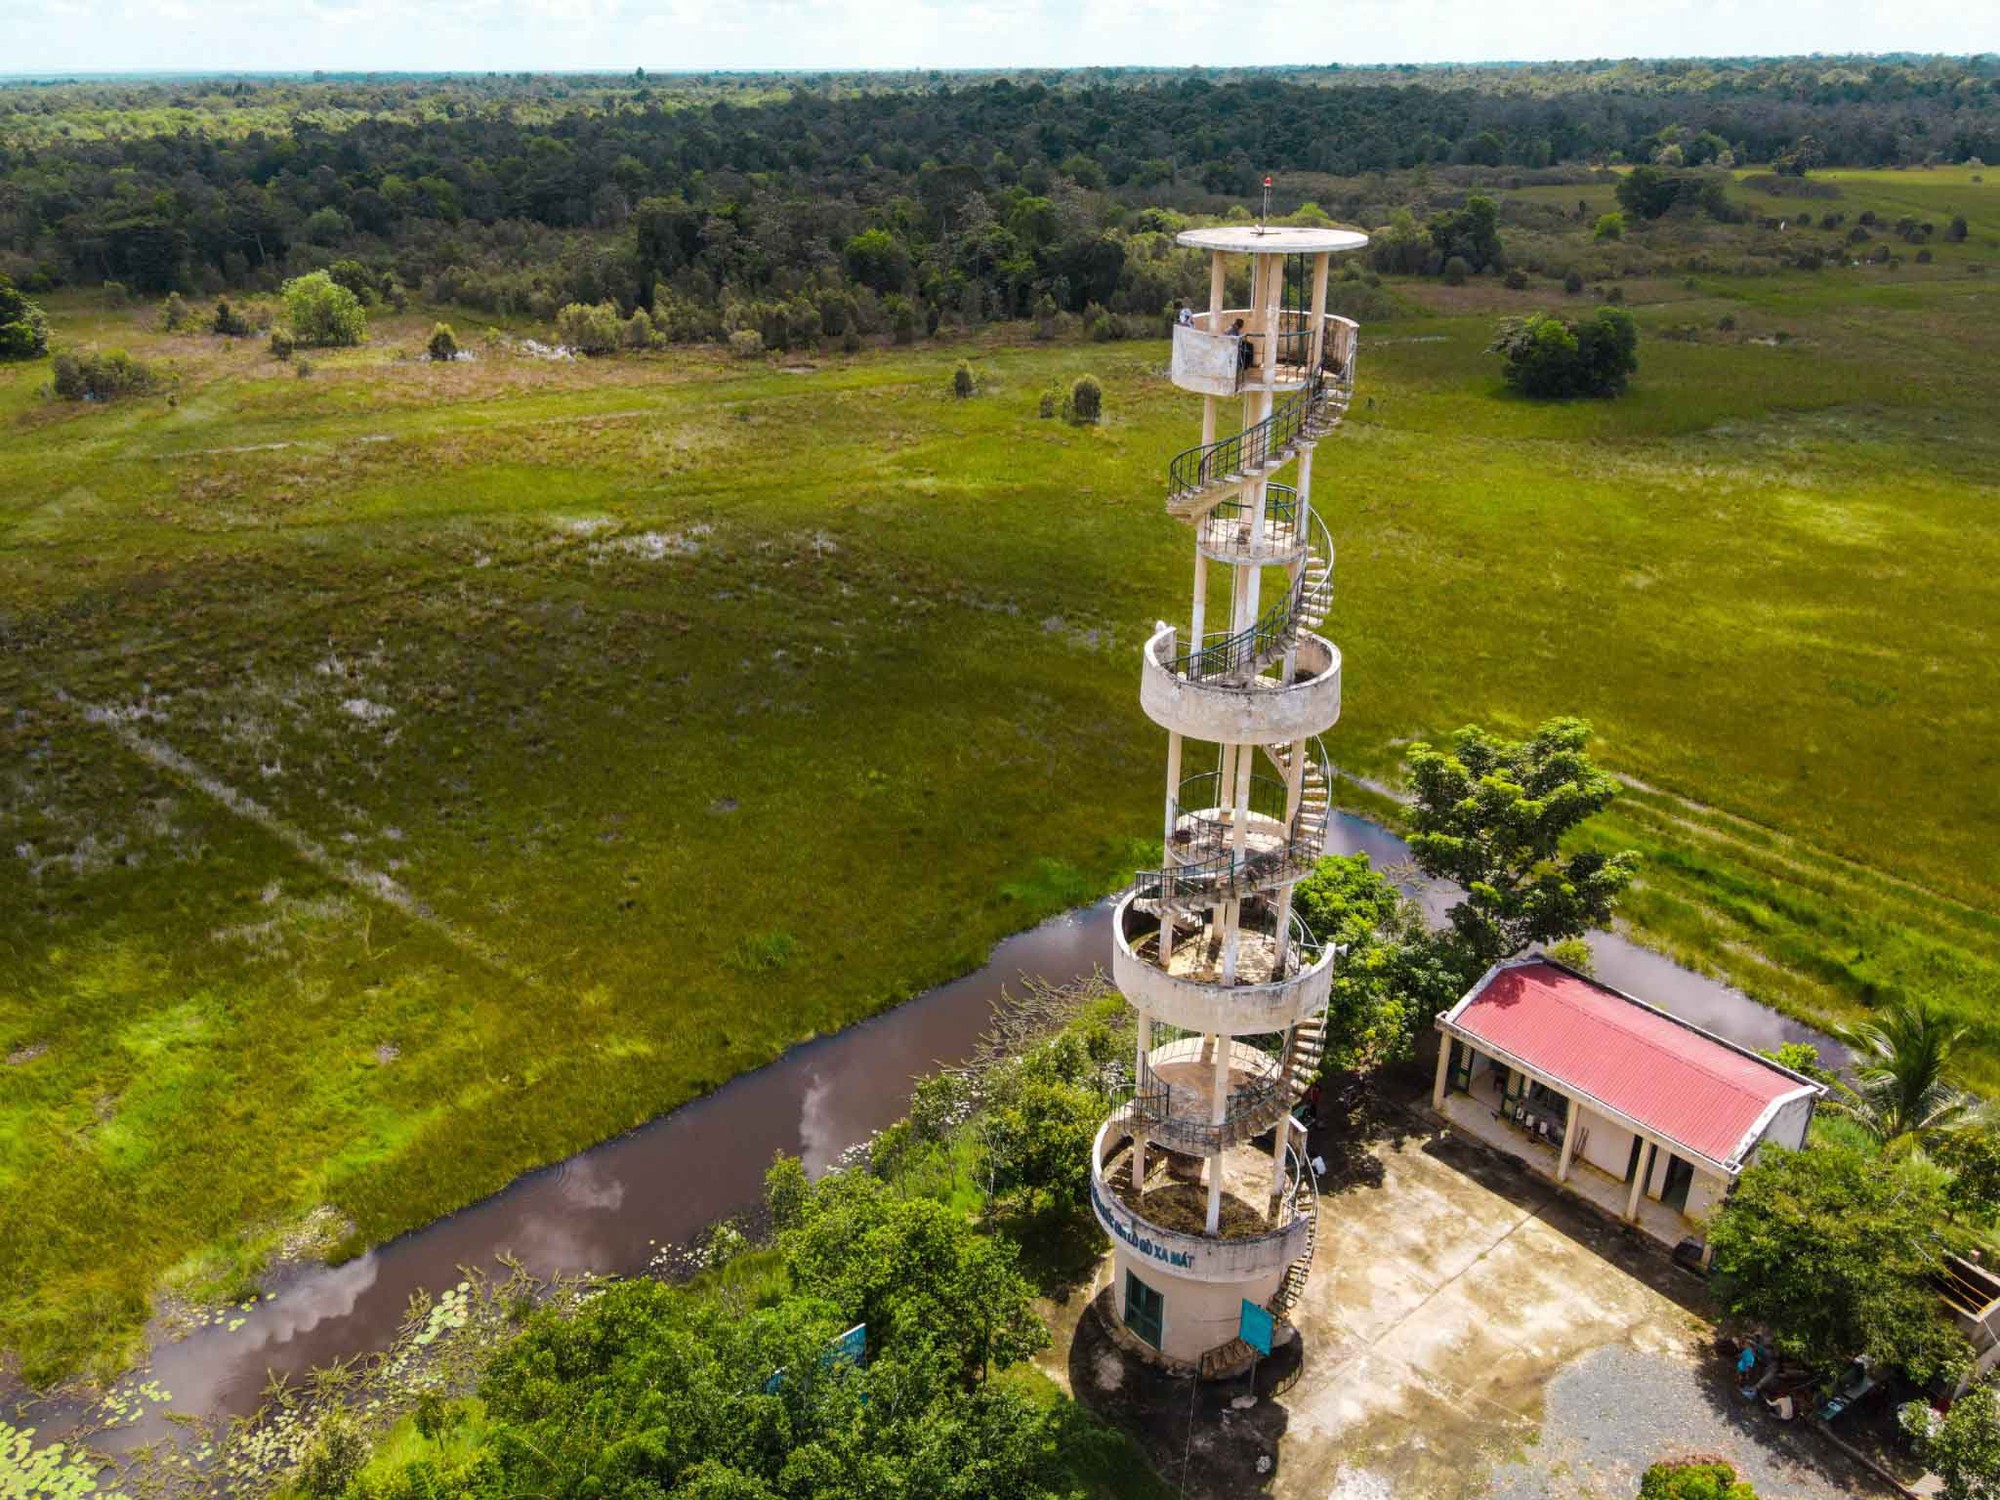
{"x":322,"y":313}
{"x":1609,"y":227}
{"x":1472,"y":233}
{"x":1694,"y":1479}
{"x":1550,"y":357}
{"x":443,"y":345}
{"x":961,"y":381}
{"x":1086,"y":399}
{"x":229,"y":322}
{"x":1492,"y":814}
{"x":1971,"y":1154}
{"x":878,"y":259}
{"x":591,"y":329}
{"x":24,"y":328}
{"x":1834,"y":1254}
{"x":1900,"y":1061}
{"x":1396,"y":974}
{"x":1963,"y":1447}
{"x":1038,"y":1143}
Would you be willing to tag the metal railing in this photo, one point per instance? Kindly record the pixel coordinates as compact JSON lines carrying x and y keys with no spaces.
{"x":1275,"y":631}
{"x":1266,"y":444}
{"x":1183,"y":1118}
{"x":1215,"y":872}
{"x":1230,"y":526}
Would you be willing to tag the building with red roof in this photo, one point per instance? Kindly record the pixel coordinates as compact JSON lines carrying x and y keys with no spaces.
{"x":1636,"y":1109}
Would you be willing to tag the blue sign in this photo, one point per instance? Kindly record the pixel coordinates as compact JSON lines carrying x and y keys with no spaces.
{"x":848,"y":1348}
{"x":1255,"y":1326}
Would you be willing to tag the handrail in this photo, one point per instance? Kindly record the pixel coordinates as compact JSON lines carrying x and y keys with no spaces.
{"x":1220,"y":876}
{"x":1199,"y":467}
{"x":1281,"y":519}
{"x":1246,"y":1112}
{"x":1275,"y":632}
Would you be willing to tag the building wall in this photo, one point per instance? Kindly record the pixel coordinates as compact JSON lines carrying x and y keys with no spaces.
{"x":1704,"y":1193}
{"x":1606,"y":1144}
{"x":1195,"y":1316}
{"x":1788,"y":1125}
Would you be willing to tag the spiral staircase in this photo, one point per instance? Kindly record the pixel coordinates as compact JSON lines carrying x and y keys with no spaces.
{"x":1230,"y":985}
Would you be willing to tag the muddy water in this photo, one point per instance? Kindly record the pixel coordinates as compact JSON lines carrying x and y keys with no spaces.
{"x":608,"y":1208}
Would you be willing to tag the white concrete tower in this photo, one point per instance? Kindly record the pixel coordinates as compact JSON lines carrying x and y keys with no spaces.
{"x":1200,"y":1179}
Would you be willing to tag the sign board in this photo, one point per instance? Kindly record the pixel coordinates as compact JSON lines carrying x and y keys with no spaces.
{"x":848,"y":1348}
{"x":1255,"y":1326}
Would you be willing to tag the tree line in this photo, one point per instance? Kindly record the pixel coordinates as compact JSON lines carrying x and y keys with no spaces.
{"x":962,"y":199}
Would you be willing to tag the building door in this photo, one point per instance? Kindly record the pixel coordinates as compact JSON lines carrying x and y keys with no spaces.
{"x":1674,"y":1191}
{"x":1458,"y":1070}
{"x":1632,"y":1166}
{"x":1145,"y":1309}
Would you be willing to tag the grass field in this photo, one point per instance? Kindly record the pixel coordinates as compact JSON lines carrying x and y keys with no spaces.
{"x":414,"y":773}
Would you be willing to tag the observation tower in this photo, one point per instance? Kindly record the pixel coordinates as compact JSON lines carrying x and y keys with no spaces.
{"x":1201,"y":1178}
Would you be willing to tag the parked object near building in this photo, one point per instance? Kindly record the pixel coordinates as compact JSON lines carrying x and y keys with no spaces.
{"x":1201,"y":1179}
{"x":1642,"y":1113}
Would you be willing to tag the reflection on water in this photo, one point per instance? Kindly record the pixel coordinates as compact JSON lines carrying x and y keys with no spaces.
{"x":607,"y":1208}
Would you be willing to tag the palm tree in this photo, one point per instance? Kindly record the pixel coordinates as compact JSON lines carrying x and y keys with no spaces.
{"x":1900,"y":1060}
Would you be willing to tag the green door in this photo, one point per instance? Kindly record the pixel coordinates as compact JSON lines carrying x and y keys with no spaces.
{"x":1145,"y":1309}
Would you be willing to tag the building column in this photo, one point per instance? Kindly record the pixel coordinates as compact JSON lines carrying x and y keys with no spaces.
{"x":1316,"y":345}
{"x":1444,"y":1071}
{"x":1569,"y":1141}
{"x":1281,"y":1132}
{"x":1145,"y":1030}
{"x":1218,"y":1111}
{"x":1200,"y":625}
{"x":1639,"y":1181}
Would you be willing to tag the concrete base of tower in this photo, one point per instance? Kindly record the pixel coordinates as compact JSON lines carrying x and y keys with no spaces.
{"x":1250,"y":711}
{"x":1178,"y":1318}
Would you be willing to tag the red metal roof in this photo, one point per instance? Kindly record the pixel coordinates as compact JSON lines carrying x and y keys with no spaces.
{"x":1672,"y":1079}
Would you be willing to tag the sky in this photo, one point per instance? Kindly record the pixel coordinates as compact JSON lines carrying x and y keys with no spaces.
{"x":60,"y":36}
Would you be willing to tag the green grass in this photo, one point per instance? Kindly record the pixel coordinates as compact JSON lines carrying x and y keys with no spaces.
{"x":727,"y":705}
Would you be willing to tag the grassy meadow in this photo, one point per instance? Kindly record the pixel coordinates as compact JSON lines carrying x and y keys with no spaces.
{"x":413,"y":773}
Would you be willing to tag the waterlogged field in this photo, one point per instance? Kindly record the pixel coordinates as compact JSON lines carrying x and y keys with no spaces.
{"x":414,"y":773}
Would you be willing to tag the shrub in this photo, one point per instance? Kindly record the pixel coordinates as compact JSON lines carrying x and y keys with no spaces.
{"x":961,"y":381}
{"x":639,"y":332}
{"x":592,"y":329}
{"x":746,"y":343}
{"x":1609,"y":227}
{"x":333,"y":1459}
{"x":228,"y":322}
{"x":1573,"y":283}
{"x":24,"y":329}
{"x":174,"y":314}
{"x":115,"y":294}
{"x":1694,"y":1479}
{"x":1086,"y":399}
{"x":1553,"y":357}
{"x":323,"y":314}
{"x":1615,"y":294}
{"x":443,"y":345}
{"x":281,"y":344}
{"x":1727,"y":322}
{"x":1456,"y":270}
{"x":102,"y":377}
{"x":1923,"y":257}
{"x":1517,"y":279}
{"x":1955,"y":231}
{"x":1046,"y":407}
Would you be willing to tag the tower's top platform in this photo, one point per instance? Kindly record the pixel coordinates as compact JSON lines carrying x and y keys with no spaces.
{"x":1276,"y":239}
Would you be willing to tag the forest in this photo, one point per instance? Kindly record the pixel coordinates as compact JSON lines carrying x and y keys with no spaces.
{"x":823,"y":207}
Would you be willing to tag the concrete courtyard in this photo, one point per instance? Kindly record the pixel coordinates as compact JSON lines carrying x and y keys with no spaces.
{"x":1468,"y":1331}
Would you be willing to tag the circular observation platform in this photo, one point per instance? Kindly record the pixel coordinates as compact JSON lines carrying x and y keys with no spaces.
{"x":1255,"y":710}
{"x":1272,"y":239}
{"x":1162,"y":1220}
{"x":1233,"y":352}
{"x":1270,"y":993}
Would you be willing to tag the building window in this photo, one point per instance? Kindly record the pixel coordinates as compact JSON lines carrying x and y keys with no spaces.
{"x":1145,"y":1309}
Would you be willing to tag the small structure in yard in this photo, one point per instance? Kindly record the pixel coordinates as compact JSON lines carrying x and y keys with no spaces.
{"x":1636,"y":1110}
{"x":1200,"y":1179}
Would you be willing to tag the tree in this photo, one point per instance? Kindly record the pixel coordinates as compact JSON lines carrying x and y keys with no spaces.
{"x":174,"y":314}
{"x":590,"y":328}
{"x":1694,"y":1479}
{"x":1963,"y":1447}
{"x":1492,"y":814}
{"x":322,"y":313}
{"x":878,"y":260}
{"x":1396,"y":974}
{"x":1971,"y":1155}
{"x":1086,"y":399}
{"x":1833,"y":1252}
{"x":1555,"y":358}
{"x":1955,"y":231}
{"x":229,"y":322}
{"x":1609,"y":227}
{"x":101,"y":377}
{"x":961,"y":381}
{"x":443,"y":345}
{"x":1900,"y":1060}
{"x":24,"y":328}
{"x":1471,"y":233}
{"x":1038,"y":1143}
